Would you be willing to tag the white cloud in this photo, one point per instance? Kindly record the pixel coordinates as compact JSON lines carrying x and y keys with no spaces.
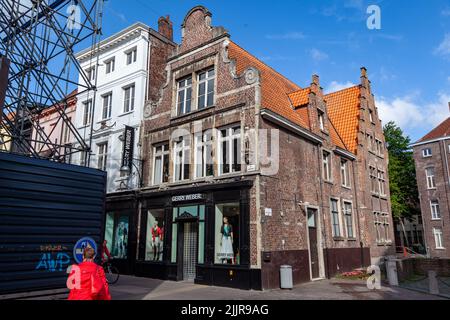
{"x":287,"y":36}
{"x":337,"y":86}
{"x":318,"y":55}
{"x":413,"y":116}
{"x":444,"y":47}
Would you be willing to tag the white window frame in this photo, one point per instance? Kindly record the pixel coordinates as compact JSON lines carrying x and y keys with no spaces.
{"x":339,"y":211}
{"x":327,"y":171}
{"x":229,"y":140}
{"x":129,"y":102}
{"x":381,"y":176}
{"x":163,"y":154}
{"x":345,"y":173}
{"x":352,"y":214}
{"x":110,"y":65}
{"x":87,"y":112}
{"x":438,"y":238}
{"x":373,"y":180}
{"x":427,"y":153}
{"x":131,"y":56}
{"x":66,"y":132}
{"x":102,"y":155}
{"x":185,"y":149}
{"x":91,"y":73}
{"x":386,"y":224}
{"x":371,"y":116}
{"x":435,"y":210}
{"x":378,"y":227}
{"x":321,"y":120}
{"x":106,"y":97}
{"x":431,"y":179}
{"x":206,"y":81}
{"x":202,"y":142}
{"x":186,"y":88}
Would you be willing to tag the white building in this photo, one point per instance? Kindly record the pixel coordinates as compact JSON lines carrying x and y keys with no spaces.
{"x":121,"y":78}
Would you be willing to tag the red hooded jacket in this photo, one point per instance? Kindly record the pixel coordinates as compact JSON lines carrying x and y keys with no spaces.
{"x":92,"y":284}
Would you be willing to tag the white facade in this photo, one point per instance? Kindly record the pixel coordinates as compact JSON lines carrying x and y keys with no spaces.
{"x":121,"y":81}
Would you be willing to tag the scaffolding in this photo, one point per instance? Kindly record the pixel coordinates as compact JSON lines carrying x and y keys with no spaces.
{"x":39,"y":38}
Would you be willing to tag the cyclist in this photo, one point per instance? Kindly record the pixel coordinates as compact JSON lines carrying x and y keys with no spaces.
{"x":106,"y":252}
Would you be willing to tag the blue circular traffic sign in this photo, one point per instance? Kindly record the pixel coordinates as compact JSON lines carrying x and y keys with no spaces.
{"x":80,"y":246}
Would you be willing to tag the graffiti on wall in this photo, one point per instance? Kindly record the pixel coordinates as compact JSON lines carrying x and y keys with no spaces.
{"x":53,"y":259}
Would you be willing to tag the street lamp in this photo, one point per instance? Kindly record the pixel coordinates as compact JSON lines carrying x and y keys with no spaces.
{"x":126,"y":170}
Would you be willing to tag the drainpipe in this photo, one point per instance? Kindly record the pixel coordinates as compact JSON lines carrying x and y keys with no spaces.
{"x":324,"y":232}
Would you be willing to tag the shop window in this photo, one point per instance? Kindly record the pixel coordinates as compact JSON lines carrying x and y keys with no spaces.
{"x":227,"y":242}
{"x":154,"y":242}
{"x":116,"y":235}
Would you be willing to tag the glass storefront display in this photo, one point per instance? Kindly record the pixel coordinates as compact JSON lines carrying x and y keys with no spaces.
{"x":116,"y":234}
{"x":226,"y":250}
{"x":154,"y":244}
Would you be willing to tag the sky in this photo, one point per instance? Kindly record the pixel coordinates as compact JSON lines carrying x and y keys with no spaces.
{"x":408,"y":59}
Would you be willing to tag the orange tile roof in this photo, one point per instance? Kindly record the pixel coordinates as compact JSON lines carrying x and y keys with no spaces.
{"x":343,"y":109}
{"x":300,"y":97}
{"x":442,"y":130}
{"x":274,"y":87}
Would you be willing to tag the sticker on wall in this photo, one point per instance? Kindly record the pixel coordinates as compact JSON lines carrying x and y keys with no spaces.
{"x":268,"y":212}
{"x":80,"y":246}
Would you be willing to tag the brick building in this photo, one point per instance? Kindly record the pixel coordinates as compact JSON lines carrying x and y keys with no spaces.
{"x":245,"y":171}
{"x":432,"y":156}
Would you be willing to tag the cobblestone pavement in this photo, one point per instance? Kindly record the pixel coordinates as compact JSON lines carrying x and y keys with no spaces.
{"x":132,"y":288}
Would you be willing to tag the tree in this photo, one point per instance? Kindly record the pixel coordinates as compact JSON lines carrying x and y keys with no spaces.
{"x":402,"y":174}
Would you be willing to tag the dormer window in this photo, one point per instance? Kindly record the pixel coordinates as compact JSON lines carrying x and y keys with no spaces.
{"x":184,"y":97}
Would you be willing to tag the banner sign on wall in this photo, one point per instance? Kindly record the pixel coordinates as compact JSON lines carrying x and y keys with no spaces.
{"x":128,"y":147}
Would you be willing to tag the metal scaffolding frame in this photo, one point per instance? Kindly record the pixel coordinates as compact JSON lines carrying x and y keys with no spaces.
{"x":39,"y":37}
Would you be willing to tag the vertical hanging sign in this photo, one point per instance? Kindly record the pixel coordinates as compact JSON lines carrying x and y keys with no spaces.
{"x":4,"y":68}
{"x":128,"y":148}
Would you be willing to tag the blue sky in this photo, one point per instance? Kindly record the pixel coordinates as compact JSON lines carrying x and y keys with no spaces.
{"x":408,"y":59}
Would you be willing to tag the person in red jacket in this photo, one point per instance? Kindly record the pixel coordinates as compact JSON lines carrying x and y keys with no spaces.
{"x":87,"y":280}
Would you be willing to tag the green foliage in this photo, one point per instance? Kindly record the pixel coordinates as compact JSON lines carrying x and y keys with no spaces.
{"x":402,"y":173}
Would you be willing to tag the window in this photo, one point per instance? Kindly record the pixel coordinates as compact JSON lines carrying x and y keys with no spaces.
{"x":326,"y":166}
{"x":184,"y":96}
{"x":321,"y":121}
{"x":379,"y":147}
{"x":116,"y":235}
{"x":230,"y":150}
{"x":382,"y":224}
{"x":154,"y":241}
{"x":204,"y":165}
{"x":87,"y":112}
{"x":107,"y":106}
{"x":371,"y":116}
{"x":90,"y":73}
{"x":182,"y":159}
{"x":83,"y":158}
{"x":348,"y":215}
{"x":373,"y":180}
{"x":427,"y":153}
{"x":161,"y":164}
{"x":435,"y":210}
{"x":335,"y":219}
{"x":431,"y":183}
{"x":131,"y":56}
{"x":129,"y":96}
{"x":381,"y":183}
{"x":227,"y":239}
{"x":206,"y":89}
{"x":438,"y":238}
{"x":66,"y":132}
{"x":345,"y":173}
{"x":110,"y":65}
{"x":102,"y":156}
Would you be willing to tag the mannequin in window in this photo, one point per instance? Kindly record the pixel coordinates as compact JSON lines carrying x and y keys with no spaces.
{"x":226,"y":244}
{"x":157,"y":240}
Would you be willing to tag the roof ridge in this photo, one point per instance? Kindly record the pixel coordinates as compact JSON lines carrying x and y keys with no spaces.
{"x":271,"y":68}
{"x":424,"y":138}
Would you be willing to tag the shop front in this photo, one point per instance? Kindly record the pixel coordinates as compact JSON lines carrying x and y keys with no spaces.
{"x":198,"y":234}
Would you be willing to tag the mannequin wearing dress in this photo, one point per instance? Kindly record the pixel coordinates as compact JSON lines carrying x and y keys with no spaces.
{"x":226,"y":244}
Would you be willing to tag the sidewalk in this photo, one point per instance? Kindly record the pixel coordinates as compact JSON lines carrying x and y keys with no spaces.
{"x":132,"y":288}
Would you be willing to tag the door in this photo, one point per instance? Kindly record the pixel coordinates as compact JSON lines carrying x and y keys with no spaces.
{"x":190,"y":251}
{"x":313,"y":243}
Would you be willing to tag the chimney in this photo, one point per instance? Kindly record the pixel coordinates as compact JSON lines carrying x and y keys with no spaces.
{"x":165,"y":27}
{"x":365,"y":80}
{"x":315,"y":85}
